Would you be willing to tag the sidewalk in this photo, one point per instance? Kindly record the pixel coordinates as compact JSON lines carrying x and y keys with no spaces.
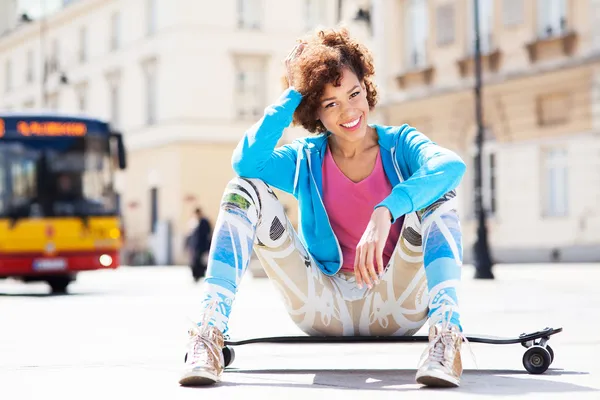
{"x":121,"y":334}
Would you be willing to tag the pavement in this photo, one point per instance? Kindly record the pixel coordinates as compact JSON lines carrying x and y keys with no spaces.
{"x":121,"y":335}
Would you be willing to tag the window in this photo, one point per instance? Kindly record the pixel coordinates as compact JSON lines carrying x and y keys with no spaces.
{"x":486,"y":24}
{"x":416,"y":34}
{"x":23,"y":174}
{"x":8,"y":76}
{"x":250,"y":86}
{"x":114,"y":105}
{"x":18,"y":179}
{"x":3,"y":189}
{"x":52,"y":63}
{"x":83,"y":44}
{"x":82,"y":100}
{"x":249,"y":14}
{"x":151,"y":93}
{"x":555,"y":183}
{"x":553,"y":109}
{"x":552,"y":17}
{"x":54,"y":57}
{"x":512,"y":12}
{"x":113,"y":80}
{"x":118,"y":201}
{"x":151,"y":17}
{"x":445,"y":28}
{"x":314,"y":12}
{"x":489,"y":176}
{"x":30,"y":67}
{"x":115,"y":36}
{"x":82,"y":97}
{"x":488,"y":181}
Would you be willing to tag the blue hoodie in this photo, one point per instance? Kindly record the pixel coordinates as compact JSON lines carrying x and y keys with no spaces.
{"x":419,"y":171}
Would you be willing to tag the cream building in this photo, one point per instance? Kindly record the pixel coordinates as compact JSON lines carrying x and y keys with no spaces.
{"x":181,"y":79}
{"x":541,"y":102}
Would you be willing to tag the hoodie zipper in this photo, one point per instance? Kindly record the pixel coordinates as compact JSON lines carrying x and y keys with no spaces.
{"x":328,"y":221}
{"x":393,"y":151}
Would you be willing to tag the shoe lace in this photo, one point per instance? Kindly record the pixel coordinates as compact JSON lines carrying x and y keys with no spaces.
{"x":444,"y":340}
{"x":201,"y":336}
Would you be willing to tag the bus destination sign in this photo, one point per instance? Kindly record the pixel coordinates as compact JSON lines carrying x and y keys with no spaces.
{"x":51,"y":128}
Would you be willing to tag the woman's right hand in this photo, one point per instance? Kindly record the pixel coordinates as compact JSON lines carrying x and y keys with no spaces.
{"x":296,"y":51}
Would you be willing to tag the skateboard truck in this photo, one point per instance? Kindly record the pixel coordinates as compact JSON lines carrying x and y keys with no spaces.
{"x":539,"y":355}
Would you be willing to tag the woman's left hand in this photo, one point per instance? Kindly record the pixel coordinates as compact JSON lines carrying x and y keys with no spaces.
{"x":370,"y":248}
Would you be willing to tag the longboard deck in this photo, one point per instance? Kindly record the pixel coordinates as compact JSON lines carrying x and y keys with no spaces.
{"x":391,"y":339}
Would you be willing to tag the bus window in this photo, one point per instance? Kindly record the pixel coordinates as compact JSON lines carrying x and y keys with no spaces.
{"x":23,"y":177}
{"x":3,"y":185}
{"x":20,"y":180}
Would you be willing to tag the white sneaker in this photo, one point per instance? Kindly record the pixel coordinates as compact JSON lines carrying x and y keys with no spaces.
{"x":204,"y":361}
{"x":443,"y":365}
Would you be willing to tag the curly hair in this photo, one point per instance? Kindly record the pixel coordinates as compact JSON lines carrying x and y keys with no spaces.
{"x":326,"y":53}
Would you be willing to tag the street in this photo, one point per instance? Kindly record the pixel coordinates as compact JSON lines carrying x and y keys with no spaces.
{"x":122,"y":334}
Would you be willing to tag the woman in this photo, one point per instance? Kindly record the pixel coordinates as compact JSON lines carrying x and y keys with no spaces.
{"x":379,"y":247}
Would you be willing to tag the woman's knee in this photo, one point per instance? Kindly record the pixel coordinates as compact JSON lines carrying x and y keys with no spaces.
{"x":256,"y":199}
{"x":445,"y":203}
{"x":243,"y":195}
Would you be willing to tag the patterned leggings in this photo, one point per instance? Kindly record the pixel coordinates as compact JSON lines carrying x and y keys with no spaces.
{"x":420,"y":278}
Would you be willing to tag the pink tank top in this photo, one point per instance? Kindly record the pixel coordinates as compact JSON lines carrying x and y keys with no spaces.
{"x":349,"y":206}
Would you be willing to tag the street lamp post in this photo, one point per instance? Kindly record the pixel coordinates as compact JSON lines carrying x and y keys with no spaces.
{"x":481,"y":250}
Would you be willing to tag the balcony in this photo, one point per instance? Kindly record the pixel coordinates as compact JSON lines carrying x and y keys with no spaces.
{"x":491,"y":56}
{"x":553,"y":42}
{"x":418,"y":73}
{"x":490,"y":62}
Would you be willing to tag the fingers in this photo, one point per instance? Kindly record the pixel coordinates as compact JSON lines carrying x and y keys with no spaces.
{"x":379,"y":260}
{"x":369,"y":260}
{"x":360,"y":270}
{"x":364,"y":268}
{"x":296,"y":51}
{"x":292,"y":53}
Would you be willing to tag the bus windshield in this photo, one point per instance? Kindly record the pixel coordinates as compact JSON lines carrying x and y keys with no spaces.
{"x":55,"y":177}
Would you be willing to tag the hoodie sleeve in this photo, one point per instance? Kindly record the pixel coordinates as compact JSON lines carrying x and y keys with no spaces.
{"x":433,"y":171}
{"x":256,"y":156}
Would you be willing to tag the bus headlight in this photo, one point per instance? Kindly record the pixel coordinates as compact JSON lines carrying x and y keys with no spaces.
{"x":105,"y":260}
{"x":114,"y":233}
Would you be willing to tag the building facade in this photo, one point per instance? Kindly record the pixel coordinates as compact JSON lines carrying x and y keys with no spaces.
{"x":181,"y":79}
{"x":541,"y":105}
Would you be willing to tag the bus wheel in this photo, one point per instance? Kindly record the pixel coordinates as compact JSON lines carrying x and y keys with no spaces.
{"x":59,"y":284}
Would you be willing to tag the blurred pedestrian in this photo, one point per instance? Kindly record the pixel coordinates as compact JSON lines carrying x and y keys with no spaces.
{"x":199,"y":245}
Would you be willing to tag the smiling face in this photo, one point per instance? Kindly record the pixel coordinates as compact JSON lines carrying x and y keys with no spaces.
{"x":344,"y":109}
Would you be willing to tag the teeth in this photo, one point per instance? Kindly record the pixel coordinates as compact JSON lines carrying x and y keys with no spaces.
{"x":352,"y":124}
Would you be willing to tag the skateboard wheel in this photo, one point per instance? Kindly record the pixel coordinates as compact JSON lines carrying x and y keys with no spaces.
{"x":228,"y":355}
{"x":551,"y":353}
{"x":537,"y":359}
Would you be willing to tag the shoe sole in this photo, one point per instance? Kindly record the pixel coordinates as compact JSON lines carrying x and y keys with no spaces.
{"x":437,"y":379}
{"x":198,"y":378}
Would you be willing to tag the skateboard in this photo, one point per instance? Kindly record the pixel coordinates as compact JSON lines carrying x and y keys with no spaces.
{"x":536,"y":360}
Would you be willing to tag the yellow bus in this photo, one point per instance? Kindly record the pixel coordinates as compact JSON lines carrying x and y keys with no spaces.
{"x":59,"y":212}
